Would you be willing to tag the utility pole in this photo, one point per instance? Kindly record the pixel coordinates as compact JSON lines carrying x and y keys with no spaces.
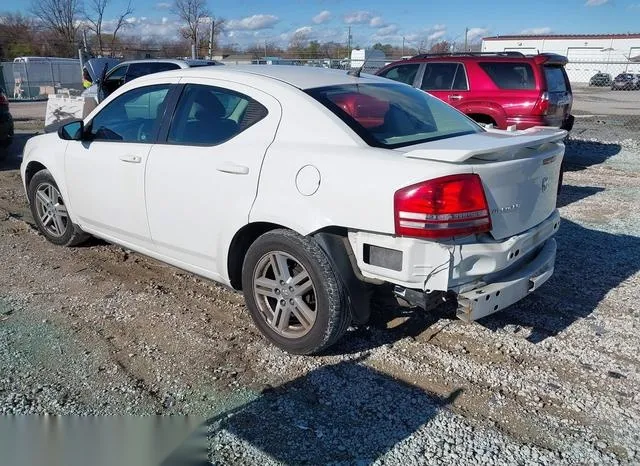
{"x":211,"y":38}
{"x":349,"y":44}
{"x":402,"y":46}
{"x":265,"y":50}
{"x":466,"y":34}
{"x":84,"y":39}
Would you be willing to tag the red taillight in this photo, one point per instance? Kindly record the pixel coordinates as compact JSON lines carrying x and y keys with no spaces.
{"x":3,"y":99}
{"x":443,"y":207}
{"x":542,"y":105}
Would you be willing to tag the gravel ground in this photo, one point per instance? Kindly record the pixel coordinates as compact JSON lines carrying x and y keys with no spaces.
{"x":552,"y":380}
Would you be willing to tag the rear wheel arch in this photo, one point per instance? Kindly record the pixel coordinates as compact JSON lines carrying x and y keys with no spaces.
{"x":242,"y":240}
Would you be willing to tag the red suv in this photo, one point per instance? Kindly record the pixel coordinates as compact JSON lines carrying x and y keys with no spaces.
{"x":504,"y":88}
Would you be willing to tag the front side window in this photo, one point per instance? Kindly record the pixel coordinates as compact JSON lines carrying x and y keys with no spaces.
{"x":115,"y":79}
{"x":389,"y":115}
{"x":402,"y":73}
{"x":438,"y":76}
{"x":510,"y":75}
{"x":131,"y":117}
{"x":207,"y":115}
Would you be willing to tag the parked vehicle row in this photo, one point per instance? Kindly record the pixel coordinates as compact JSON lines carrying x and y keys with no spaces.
{"x":626,"y":82}
{"x":307,"y":188}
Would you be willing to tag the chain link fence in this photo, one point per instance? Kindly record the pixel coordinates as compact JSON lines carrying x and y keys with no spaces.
{"x":36,"y":80}
{"x":606,"y":100}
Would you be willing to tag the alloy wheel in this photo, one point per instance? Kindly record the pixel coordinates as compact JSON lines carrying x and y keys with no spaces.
{"x":285,"y":294}
{"x":51,"y":210}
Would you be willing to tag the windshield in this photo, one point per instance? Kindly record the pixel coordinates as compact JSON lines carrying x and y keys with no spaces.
{"x":393,"y":115}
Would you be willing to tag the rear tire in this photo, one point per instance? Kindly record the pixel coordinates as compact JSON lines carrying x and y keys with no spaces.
{"x":295,"y":296}
{"x":50,"y":213}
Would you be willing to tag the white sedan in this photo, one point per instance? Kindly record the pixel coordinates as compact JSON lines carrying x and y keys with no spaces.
{"x":305,"y":188}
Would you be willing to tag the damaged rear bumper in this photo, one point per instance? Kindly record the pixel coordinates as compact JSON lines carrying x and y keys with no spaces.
{"x":482,"y":301}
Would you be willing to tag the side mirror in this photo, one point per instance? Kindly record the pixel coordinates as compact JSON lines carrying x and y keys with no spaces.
{"x":72,"y":131}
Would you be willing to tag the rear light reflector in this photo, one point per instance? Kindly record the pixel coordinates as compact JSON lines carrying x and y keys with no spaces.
{"x":542,"y":105}
{"x":3,"y":99}
{"x":444,"y":207}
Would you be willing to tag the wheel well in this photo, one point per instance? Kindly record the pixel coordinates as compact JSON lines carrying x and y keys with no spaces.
{"x":482,"y":118}
{"x":32,"y":169}
{"x":240,"y":244}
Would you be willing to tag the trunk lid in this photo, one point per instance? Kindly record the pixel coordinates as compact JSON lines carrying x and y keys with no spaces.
{"x":520,"y":171}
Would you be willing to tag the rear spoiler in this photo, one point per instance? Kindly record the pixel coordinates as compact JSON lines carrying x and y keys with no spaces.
{"x":492,"y":141}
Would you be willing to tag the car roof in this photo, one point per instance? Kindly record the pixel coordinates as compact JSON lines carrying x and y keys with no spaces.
{"x":302,"y":77}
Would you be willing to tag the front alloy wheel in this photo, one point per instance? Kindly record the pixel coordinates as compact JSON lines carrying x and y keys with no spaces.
{"x":50,"y":213}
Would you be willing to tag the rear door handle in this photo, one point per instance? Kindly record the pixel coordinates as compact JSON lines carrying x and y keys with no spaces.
{"x":131,"y":158}
{"x":455,"y":97}
{"x":233,"y":168}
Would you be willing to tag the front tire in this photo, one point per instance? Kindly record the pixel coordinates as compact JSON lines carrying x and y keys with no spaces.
{"x":50,"y":213}
{"x":295,"y":296}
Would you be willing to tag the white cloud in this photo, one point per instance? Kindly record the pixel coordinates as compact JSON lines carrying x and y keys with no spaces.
{"x":386,"y":31}
{"x":358,"y":17}
{"x":595,"y":2}
{"x":376,"y":22}
{"x":536,"y":31}
{"x":305,"y":30}
{"x":252,"y":23}
{"x":437,"y":27}
{"x":476,"y":33}
{"x":163,"y":5}
{"x":437,"y":34}
{"x":322,"y":17}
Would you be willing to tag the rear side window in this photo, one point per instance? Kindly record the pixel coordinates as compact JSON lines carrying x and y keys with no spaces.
{"x":510,"y":75}
{"x":439,"y":76}
{"x":208,"y":115}
{"x":402,"y":73}
{"x":556,"y":81}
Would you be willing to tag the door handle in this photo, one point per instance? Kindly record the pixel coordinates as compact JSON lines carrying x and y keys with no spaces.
{"x":131,"y":158}
{"x":455,"y":97}
{"x":233,"y":168}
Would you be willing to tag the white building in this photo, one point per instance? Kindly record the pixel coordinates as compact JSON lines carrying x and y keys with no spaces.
{"x":587,"y":54}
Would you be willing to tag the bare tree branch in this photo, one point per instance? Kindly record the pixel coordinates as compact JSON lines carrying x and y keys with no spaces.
{"x":94,"y":17}
{"x":191,"y":12}
{"x":120,"y":23}
{"x":60,"y":17}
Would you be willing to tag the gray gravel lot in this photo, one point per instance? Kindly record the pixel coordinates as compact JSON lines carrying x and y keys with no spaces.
{"x":552,"y":380}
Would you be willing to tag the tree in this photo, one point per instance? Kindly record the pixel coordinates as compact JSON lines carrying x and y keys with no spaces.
{"x":18,"y":36}
{"x":60,"y":17}
{"x":95,"y":17}
{"x":191,"y":12}
{"x":440,"y":47}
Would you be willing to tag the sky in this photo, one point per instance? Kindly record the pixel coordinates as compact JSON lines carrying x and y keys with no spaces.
{"x":250,"y":22}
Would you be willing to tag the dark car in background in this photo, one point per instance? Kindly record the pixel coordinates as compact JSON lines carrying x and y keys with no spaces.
{"x":601,"y":79}
{"x":6,"y":121}
{"x":501,"y":88}
{"x":626,"y":82}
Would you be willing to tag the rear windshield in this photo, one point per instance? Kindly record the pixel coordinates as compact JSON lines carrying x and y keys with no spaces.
{"x":555,"y":79}
{"x":392,"y":115}
{"x":510,"y":75}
